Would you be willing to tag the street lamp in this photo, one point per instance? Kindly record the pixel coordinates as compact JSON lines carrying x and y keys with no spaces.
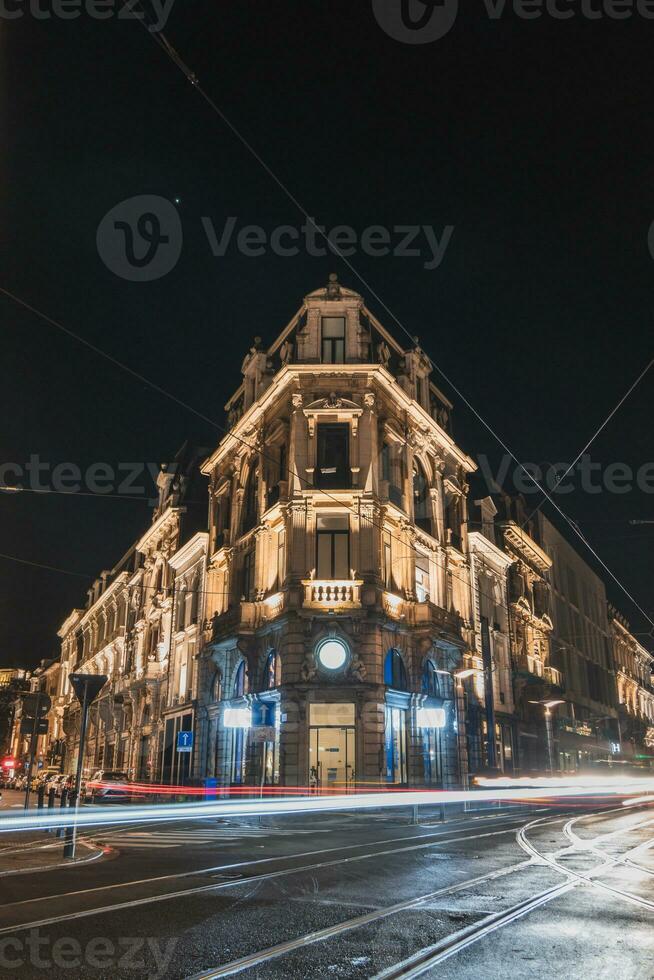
{"x":548,"y":705}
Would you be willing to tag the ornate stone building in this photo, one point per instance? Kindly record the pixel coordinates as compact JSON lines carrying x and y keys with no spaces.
{"x":535,"y":678}
{"x":336,"y":618}
{"x":586,"y":729}
{"x":633,"y":668}
{"x":125,"y":632}
{"x":493,"y":680}
{"x":338,"y":569}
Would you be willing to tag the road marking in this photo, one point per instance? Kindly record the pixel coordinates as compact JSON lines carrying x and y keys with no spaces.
{"x":285,"y":872}
{"x":240,"y":864}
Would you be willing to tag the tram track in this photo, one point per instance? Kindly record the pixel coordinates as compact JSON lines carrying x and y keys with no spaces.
{"x":231,"y":877}
{"x":425,"y":958}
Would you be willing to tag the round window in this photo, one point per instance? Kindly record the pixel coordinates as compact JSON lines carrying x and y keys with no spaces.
{"x":332,"y":654}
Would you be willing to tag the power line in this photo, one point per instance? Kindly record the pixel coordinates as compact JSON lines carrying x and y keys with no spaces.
{"x":168,"y":49}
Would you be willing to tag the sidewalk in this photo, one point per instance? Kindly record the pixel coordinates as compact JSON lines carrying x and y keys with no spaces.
{"x":22,"y":853}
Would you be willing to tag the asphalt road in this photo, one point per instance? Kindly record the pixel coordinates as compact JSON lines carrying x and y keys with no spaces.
{"x":513,"y":894}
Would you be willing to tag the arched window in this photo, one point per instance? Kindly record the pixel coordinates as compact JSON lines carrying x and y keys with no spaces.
{"x":430,"y":685}
{"x":242,"y":680}
{"x":395,"y":671}
{"x":421,"y":501}
{"x":272,"y":676}
{"x":251,"y":499}
{"x":217,"y":686}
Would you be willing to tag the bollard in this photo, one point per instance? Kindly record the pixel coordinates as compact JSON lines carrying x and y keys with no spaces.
{"x":40,"y":796}
{"x":51,"y":802}
{"x":62,"y":805}
{"x":69,"y":843}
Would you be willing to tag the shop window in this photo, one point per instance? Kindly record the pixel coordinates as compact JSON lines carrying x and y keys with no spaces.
{"x":333,"y":547}
{"x":332,"y":470}
{"x":333,"y":339}
{"x":395,"y":745}
{"x":395,"y":671}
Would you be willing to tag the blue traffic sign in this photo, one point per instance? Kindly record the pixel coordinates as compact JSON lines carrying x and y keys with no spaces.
{"x":184,"y":741}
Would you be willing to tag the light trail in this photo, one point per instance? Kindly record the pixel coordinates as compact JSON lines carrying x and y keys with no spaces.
{"x":545,"y":791}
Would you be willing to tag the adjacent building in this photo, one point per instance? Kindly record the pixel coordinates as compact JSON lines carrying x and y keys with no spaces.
{"x":633,"y":666}
{"x":587,"y":730}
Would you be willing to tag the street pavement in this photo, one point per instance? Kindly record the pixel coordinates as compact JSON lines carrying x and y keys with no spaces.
{"x":503,"y":893}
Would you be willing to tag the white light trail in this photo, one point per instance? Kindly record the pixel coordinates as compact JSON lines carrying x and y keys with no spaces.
{"x":516,"y":791}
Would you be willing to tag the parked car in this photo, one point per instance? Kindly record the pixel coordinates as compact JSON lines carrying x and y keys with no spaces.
{"x":112,"y":786}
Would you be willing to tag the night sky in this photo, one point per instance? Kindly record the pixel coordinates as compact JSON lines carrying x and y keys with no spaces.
{"x":532,"y":138}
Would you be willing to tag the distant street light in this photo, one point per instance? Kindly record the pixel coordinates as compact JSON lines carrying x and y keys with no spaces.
{"x":548,"y":705}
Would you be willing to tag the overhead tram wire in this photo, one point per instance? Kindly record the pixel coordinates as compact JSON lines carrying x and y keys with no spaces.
{"x":171,"y":53}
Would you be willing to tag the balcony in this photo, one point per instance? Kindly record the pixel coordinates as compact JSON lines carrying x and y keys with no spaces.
{"x":420,"y":613}
{"x":532,"y":665}
{"x":332,"y":593}
{"x":554,"y":676}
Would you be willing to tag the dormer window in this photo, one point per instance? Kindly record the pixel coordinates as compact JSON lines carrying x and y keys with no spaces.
{"x":333,"y":340}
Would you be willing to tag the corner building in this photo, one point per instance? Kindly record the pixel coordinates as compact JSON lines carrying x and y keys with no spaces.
{"x":338,"y":588}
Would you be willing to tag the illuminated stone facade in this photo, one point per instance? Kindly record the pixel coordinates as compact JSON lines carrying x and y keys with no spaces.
{"x":337,"y":523}
{"x":633,"y":673}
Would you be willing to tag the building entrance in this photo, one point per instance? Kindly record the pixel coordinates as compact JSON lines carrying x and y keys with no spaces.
{"x":331,"y":747}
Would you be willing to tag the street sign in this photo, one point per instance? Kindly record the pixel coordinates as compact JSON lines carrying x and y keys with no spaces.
{"x":263,"y":733}
{"x":9,"y":763}
{"x":87,"y":685}
{"x":184,"y":741}
{"x":27,"y":726}
{"x":36,"y":705}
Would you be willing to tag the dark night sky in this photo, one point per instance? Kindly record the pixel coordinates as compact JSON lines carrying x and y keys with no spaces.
{"x":533,"y":138}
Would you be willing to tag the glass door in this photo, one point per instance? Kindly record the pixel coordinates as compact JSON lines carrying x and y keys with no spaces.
{"x":332,"y":747}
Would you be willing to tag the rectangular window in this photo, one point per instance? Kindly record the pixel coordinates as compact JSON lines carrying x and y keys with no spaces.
{"x":422,"y":578}
{"x":247,"y":575}
{"x":331,"y":714}
{"x":333,"y":339}
{"x":333,"y":551}
{"x":388,"y":563}
{"x":333,"y":469}
{"x":281,"y":539}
